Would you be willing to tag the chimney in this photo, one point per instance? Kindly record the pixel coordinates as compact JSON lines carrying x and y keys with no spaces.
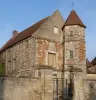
{"x":15,"y":33}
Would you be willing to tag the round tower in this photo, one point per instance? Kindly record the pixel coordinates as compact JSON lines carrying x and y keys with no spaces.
{"x":74,"y":48}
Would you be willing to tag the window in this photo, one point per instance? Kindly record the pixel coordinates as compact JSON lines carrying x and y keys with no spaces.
{"x":56,"y":31}
{"x":51,"y":59}
{"x":39,"y":73}
{"x":14,"y":63}
{"x":71,"y":33}
{"x":2,"y":69}
{"x":71,"y":53}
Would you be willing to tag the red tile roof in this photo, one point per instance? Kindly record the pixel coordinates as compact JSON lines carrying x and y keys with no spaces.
{"x":73,"y":19}
{"x":93,"y":62}
{"x":24,"y":34}
{"x":91,"y":69}
{"x":88,"y":63}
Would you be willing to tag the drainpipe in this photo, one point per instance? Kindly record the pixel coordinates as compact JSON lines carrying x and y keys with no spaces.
{"x":63,"y":69}
{"x":44,"y":84}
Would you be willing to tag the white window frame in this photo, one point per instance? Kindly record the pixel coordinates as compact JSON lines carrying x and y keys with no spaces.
{"x":56,"y":30}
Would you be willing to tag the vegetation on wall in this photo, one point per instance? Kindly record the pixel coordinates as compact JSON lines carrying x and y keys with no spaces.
{"x":1,"y":70}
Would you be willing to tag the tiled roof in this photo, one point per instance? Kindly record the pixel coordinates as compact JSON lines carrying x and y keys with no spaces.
{"x":93,"y":62}
{"x":91,"y":69}
{"x":88,"y":63}
{"x":24,"y":34}
{"x":73,"y":19}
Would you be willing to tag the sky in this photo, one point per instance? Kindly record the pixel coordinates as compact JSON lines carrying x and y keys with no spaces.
{"x":20,"y":14}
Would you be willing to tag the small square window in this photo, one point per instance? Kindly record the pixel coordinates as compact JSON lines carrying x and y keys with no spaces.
{"x":71,"y":53}
{"x":56,"y":30}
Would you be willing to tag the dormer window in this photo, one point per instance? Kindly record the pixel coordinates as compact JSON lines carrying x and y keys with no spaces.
{"x":56,"y":30}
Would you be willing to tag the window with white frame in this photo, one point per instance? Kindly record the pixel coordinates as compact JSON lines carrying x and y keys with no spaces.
{"x":56,"y":30}
{"x":52,"y":59}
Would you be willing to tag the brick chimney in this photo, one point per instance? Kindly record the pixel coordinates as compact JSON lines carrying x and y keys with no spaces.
{"x":14,"y":33}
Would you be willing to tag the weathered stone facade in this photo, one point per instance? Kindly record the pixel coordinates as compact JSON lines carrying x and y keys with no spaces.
{"x":45,"y":46}
{"x":76,"y":43}
{"x":28,"y":75}
{"x":18,"y":58}
{"x":20,"y":89}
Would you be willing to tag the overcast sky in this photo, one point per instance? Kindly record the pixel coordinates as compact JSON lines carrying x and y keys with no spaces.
{"x":20,"y":14}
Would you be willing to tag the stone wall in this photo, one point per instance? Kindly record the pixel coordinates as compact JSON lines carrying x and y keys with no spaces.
{"x":19,"y":58}
{"x":74,"y":40}
{"x":45,"y":46}
{"x":77,"y":44}
{"x":89,"y":89}
{"x":42,"y":87}
{"x":48,"y":83}
{"x":20,"y":89}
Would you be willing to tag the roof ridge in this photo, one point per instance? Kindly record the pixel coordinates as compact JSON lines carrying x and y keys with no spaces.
{"x":24,"y":34}
{"x":33,"y":24}
{"x":93,"y":62}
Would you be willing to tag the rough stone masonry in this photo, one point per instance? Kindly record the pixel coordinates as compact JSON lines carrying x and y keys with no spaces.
{"x":47,"y":61}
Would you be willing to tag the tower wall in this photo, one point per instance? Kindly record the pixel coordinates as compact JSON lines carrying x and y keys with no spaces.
{"x":77,"y":44}
{"x":74,"y":41}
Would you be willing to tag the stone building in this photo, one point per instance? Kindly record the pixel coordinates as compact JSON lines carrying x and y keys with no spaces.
{"x":47,"y":61}
{"x":91,"y":66}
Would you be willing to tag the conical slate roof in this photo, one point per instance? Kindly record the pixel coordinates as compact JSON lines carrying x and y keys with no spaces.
{"x":73,"y":19}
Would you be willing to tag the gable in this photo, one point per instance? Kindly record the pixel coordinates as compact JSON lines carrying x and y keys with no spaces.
{"x":47,"y":29}
{"x":24,"y":34}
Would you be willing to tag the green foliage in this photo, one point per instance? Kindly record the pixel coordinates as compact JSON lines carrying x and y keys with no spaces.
{"x":1,"y":70}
